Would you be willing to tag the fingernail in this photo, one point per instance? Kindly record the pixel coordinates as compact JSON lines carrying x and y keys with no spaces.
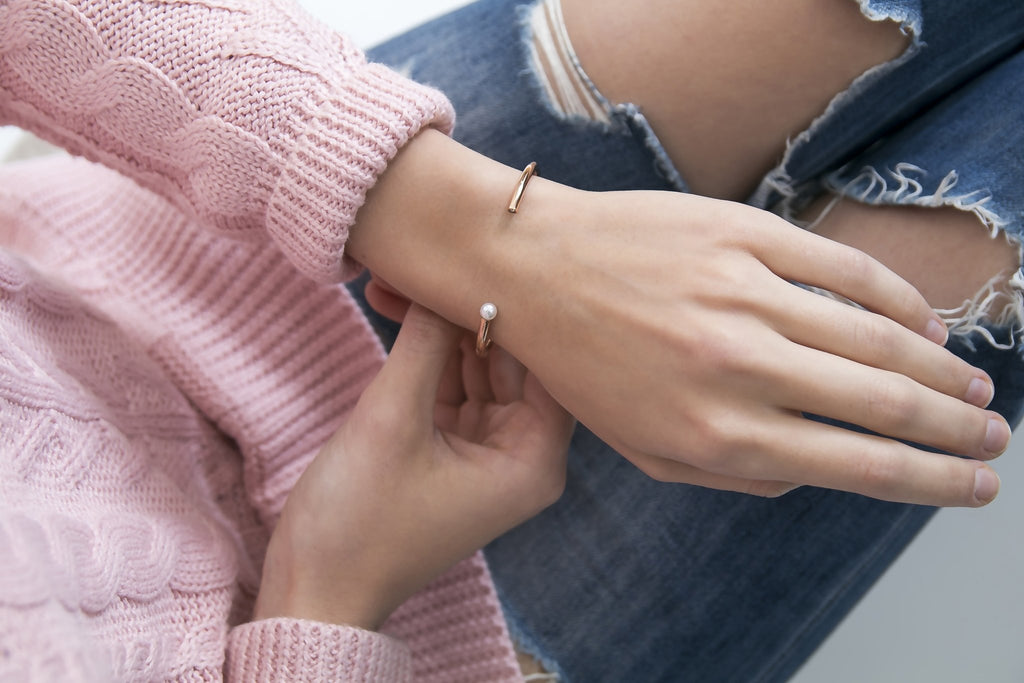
{"x":979,"y":392}
{"x":997,"y":436}
{"x":937,"y":332}
{"x":986,"y":485}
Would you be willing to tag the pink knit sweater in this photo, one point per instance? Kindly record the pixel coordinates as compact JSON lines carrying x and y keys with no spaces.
{"x":172,"y":357}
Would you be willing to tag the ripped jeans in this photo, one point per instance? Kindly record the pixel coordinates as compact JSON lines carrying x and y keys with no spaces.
{"x":628,"y":579}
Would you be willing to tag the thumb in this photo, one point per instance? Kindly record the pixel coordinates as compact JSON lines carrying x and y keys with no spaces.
{"x":419,"y":357}
{"x":385,"y":299}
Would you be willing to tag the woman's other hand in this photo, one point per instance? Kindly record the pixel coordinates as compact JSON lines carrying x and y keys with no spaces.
{"x":444,"y":452}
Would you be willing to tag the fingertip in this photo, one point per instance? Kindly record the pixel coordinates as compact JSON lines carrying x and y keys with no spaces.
{"x":997,"y":435}
{"x":937,"y":331}
{"x":385,"y":301}
{"x":980,"y":391}
{"x":986,"y":485}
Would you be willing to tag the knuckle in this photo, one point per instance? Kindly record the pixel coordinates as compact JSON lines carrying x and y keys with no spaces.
{"x":732,"y":274}
{"x":908,"y":299}
{"x":880,"y":339}
{"x":879,"y":473}
{"x":715,"y":444}
{"x":719,"y":353}
{"x":724,"y":356}
{"x":893,"y":402}
{"x":857,"y":268}
{"x":708,"y":442}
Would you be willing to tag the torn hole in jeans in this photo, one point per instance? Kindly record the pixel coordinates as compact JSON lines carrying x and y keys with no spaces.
{"x":999,"y":303}
{"x":778,"y":189}
{"x":570,"y":95}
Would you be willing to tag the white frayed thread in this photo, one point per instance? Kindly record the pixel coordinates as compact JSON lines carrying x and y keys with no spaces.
{"x":568,"y":89}
{"x":967,"y":318}
{"x":550,"y":678}
{"x":909,"y":191}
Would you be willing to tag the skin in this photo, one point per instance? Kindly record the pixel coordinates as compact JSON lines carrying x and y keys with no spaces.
{"x":576,"y":288}
{"x":443,"y":452}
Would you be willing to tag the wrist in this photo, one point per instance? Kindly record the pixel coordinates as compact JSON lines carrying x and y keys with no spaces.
{"x":294,"y":585}
{"x":295,"y":605}
{"x":436,"y":228}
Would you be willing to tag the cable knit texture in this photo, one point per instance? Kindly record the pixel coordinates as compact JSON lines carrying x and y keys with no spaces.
{"x":249,"y":115}
{"x":168,"y":365}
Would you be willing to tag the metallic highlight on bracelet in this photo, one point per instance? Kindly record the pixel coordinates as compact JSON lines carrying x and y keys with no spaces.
{"x":517,"y":196}
{"x":488,"y":312}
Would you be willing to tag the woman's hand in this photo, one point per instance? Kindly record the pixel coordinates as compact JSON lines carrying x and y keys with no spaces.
{"x":668,"y":324}
{"x":443,"y":453}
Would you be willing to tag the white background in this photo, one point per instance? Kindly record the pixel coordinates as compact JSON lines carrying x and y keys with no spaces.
{"x":950,"y":610}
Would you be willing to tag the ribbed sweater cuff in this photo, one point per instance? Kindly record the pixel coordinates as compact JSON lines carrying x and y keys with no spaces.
{"x":296,"y":650}
{"x":343,"y":143}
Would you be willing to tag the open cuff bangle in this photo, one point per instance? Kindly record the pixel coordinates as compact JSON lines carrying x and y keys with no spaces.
{"x":488,"y":312}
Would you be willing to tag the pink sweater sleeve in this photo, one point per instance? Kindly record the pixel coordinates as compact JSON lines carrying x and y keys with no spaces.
{"x":251,"y":116}
{"x":294,"y":651}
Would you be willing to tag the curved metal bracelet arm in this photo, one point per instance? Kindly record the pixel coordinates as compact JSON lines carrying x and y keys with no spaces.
{"x":488,"y":312}
{"x":517,"y":196}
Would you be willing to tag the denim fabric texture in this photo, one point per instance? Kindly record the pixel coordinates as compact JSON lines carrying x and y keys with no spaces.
{"x":628,"y":579}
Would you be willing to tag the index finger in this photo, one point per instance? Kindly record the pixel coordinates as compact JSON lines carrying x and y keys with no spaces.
{"x":795,"y":254}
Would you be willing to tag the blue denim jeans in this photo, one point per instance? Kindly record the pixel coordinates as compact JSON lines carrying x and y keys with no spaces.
{"x":628,"y":579}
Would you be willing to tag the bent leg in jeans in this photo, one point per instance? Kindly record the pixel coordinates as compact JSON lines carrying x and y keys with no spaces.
{"x":630,"y":579}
